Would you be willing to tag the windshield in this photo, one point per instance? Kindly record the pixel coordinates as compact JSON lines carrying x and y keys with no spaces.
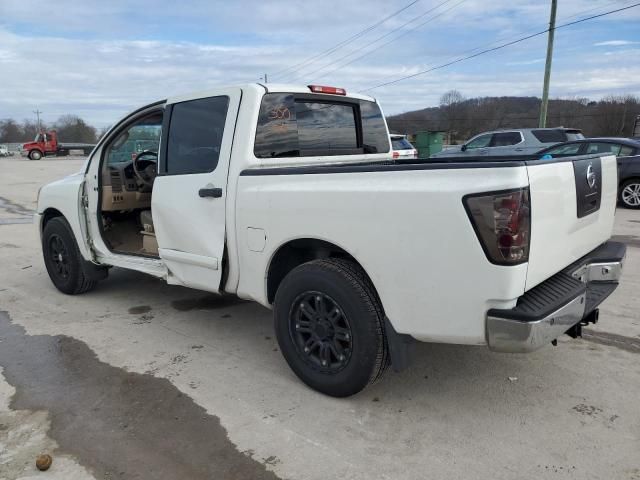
{"x":401,"y":143}
{"x":141,"y":136}
{"x":574,"y":135}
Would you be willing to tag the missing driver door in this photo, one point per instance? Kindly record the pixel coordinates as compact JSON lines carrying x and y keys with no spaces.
{"x":189,"y":194}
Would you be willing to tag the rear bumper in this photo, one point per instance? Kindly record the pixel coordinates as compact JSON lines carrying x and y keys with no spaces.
{"x":550,"y":309}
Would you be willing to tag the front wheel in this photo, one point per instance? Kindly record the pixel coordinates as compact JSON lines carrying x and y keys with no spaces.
{"x":63,"y":259}
{"x":630,"y":193}
{"x":329,"y":325}
{"x":35,"y":155}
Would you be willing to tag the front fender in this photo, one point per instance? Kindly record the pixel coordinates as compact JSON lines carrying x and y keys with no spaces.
{"x":64,"y":197}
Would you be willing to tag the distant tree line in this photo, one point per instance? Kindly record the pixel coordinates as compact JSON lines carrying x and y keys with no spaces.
{"x":459,"y":117}
{"x":462,"y":118}
{"x":70,"y":128}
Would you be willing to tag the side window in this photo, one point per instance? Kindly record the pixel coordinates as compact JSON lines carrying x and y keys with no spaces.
{"x":550,"y":135}
{"x":195,"y":135}
{"x":625,"y":151}
{"x":505,"y":139}
{"x":143,"y":134}
{"x":326,"y":128}
{"x":570,"y":149}
{"x":480,"y":142}
{"x":601,"y":147}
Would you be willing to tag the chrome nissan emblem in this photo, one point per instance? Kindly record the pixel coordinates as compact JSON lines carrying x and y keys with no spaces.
{"x":591,"y":176}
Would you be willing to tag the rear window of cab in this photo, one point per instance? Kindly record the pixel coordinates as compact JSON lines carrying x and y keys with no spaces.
{"x":308,"y":125}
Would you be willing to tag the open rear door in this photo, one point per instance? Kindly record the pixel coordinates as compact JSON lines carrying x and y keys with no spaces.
{"x":189,"y":194}
{"x":573,"y":203}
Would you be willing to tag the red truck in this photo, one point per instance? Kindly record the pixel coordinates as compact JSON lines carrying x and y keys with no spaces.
{"x":46,"y":144}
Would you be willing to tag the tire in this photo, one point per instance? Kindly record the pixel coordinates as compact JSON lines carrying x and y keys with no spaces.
{"x":35,"y":155}
{"x":329,"y":325}
{"x":63,"y":259}
{"x":629,"y":195}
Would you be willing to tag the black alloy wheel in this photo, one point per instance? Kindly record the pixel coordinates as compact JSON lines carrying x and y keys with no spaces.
{"x":59,"y":256}
{"x":321,"y":332}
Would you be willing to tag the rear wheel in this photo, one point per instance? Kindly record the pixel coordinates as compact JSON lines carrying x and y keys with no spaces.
{"x":329,"y":325}
{"x":63,"y":259}
{"x":35,"y":155}
{"x":630,"y":193}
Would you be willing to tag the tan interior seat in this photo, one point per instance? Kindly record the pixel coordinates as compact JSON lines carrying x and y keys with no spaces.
{"x":146,"y":219}
{"x":149,"y":242}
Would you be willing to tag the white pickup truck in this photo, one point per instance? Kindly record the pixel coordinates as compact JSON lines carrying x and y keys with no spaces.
{"x":288,"y":196}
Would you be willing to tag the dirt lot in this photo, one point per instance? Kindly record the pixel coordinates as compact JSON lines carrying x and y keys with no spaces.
{"x":138,"y":379}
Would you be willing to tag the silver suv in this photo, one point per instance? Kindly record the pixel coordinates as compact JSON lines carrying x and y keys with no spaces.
{"x":515,"y":141}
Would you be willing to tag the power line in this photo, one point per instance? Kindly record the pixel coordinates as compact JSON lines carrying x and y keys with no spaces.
{"x":509,"y":37}
{"x":380,"y":38}
{"x":394,"y":39}
{"x":499,"y":47}
{"x":344,"y":42}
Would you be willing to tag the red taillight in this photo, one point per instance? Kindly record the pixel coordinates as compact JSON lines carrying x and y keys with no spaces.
{"x":396,"y":154}
{"x":329,"y":90}
{"x":502,"y":222}
{"x":415,"y":154}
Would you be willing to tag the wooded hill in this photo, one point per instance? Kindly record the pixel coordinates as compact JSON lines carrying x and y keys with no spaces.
{"x":462,"y":118}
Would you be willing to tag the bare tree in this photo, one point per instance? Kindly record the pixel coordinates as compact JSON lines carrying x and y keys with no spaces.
{"x":452,"y":113}
{"x":10,"y":131}
{"x":72,"y":128}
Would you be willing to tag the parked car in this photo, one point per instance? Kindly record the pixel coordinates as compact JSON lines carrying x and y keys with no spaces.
{"x":4,"y":151}
{"x":402,"y":148}
{"x":629,"y":181}
{"x":622,"y":147}
{"x":628,"y":152}
{"x":285,"y":196}
{"x":517,"y":141}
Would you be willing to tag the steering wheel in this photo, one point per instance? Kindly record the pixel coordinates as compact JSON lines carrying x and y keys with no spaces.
{"x":146,"y":169}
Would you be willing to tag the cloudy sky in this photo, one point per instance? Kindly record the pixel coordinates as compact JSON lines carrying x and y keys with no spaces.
{"x":100,"y":59}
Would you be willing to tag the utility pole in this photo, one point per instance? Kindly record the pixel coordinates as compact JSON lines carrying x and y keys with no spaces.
{"x":265,"y":78}
{"x":547,"y":67}
{"x":38,"y":112}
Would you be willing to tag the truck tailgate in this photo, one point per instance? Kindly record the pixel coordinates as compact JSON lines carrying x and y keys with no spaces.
{"x":573,"y":202}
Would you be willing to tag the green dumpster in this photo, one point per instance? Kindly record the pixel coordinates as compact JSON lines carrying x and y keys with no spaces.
{"x":427,"y":142}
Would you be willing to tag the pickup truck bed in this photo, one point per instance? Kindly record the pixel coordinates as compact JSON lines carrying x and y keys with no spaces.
{"x":409,"y":201}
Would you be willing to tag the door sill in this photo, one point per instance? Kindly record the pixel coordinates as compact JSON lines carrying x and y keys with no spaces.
{"x":141,"y":263}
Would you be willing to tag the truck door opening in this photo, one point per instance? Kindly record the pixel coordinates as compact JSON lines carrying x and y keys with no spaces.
{"x":128,"y":173}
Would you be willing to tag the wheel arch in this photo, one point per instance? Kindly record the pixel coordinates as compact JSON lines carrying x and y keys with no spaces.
{"x":297,"y":251}
{"x":635,"y":177}
{"x":47,"y":215}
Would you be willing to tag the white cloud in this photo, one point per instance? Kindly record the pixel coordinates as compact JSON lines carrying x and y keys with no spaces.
{"x":615,"y":43}
{"x":526,"y":62}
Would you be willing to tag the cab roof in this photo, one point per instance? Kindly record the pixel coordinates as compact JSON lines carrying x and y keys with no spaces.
{"x":295,"y":88}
